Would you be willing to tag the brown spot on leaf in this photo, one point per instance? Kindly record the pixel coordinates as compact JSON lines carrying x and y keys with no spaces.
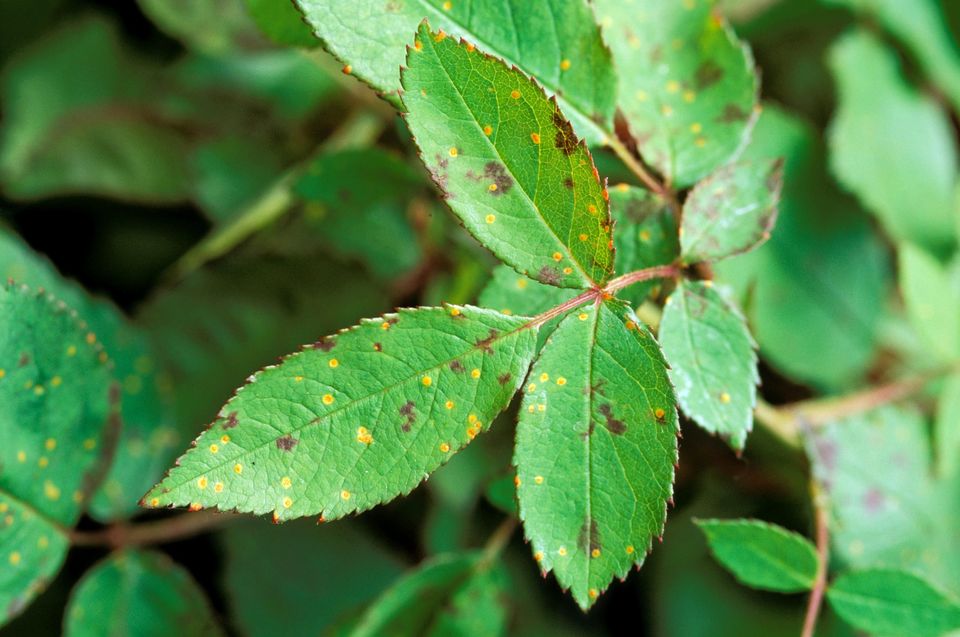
{"x":708,"y":74}
{"x":326,"y":344}
{"x":565,"y":140}
{"x":568,"y":183}
{"x":409,"y":411}
{"x":24,"y":360}
{"x":457,"y":366}
{"x":731,"y":114}
{"x":616,"y":427}
{"x":498,"y":175}
{"x":377,"y":347}
{"x":549,"y":275}
{"x":231,"y":421}
{"x":588,"y":540}
{"x":503,"y":379}
{"x":286,"y":443}
{"x":485,"y":343}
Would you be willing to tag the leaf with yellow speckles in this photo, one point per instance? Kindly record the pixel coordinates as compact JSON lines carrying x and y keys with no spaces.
{"x":713,"y":364}
{"x":732,"y":211}
{"x":645,"y":235}
{"x":141,"y":593}
{"x":556,"y":41}
{"x":508,"y":161}
{"x":447,"y":595}
{"x":357,"y":418}
{"x":54,"y":402}
{"x":691,"y":88}
{"x":513,"y":293}
{"x":596,"y":449}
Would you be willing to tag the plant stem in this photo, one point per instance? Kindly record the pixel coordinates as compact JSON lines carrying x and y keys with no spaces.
{"x":175,"y":528}
{"x":823,"y":555}
{"x":498,"y":540}
{"x":657,"y":272}
{"x":637,"y":168}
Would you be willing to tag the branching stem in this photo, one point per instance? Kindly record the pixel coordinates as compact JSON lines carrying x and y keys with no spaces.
{"x":823,"y":556}
{"x":637,"y":168}
{"x":176,"y":528}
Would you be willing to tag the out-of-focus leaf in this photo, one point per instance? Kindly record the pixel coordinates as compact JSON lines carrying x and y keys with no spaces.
{"x":762,"y":555}
{"x":712,"y":361}
{"x":77,"y":119}
{"x":216,"y":27}
{"x":328,"y":572}
{"x":891,"y":602}
{"x":812,"y":293}
{"x":731,"y":211}
{"x":931,"y":292}
{"x":687,"y":85}
{"x":596,"y":447}
{"x":281,"y":22}
{"x":357,"y":203}
{"x":946,"y":434}
{"x":508,"y":161}
{"x":231,"y":173}
{"x":448,"y":595}
{"x":54,"y":405}
{"x":892,"y":146}
{"x":556,"y":41}
{"x":139,"y":593}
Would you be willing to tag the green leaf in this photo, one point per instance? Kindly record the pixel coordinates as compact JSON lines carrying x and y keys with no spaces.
{"x":54,"y":404}
{"x":508,"y":162}
{"x":556,"y":41}
{"x":515,"y":294}
{"x":645,"y":235}
{"x":946,"y":434}
{"x":892,"y":146}
{"x":448,"y":595}
{"x":328,"y":572}
{"x":357,"y":418}
{"x":231,"y":173}
{"x":731,"y":211}
{"x":812,"y":292}
{"x":762,"y":555}
{"x":596,"y":448}
{"x":355,"y":220}
{"x":687,"y":86}
{"x":138,"y":593}
{"x":931,"y":293}
{"x":216,"y":27}
{"x":922,"y":27}
{"x":891,"y":602}
{"x":712,"y":360}
{"x":280,"y":21}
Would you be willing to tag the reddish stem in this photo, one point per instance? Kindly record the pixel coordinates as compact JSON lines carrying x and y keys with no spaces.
{"x":823,"y":553}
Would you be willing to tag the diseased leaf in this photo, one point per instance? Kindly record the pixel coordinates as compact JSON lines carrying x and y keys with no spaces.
{"x":447,"y":595}
{"x":712,"y":360}
{"x":891,"y":602}
{"x":645,"y":235}
{"x":357,"y":418}
{"x":596,"y":448}
{"x":139,"y":593}
{"x":328,"y":572}
{"x":513,"y":293}
{"x":556,"y":41}
{"x":731,"y":211}
{"x":54,"y":405}
{"x":508,"y":161}
{"x":687,"y":85}
{"x":280,"y":21}
{"x":762,"y":555}
{"x":911,"y":190}
{"x":931,"y":292}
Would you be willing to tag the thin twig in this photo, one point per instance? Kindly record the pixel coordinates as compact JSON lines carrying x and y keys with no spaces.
{"x":638,"y":169}
{"x":176,"y":528}
{"x":657,"y":272}
{"x":823,"y":555}
{"x":498,"y":540}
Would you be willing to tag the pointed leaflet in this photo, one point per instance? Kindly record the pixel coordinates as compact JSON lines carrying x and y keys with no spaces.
{"x":596,"y":448}
{"x":645,"y":235}
{"x":357,"y":418}
{"x":731,"y":211}
{"x":931,"y":292}
{"x":511,"y":166}
{"x":687,"y":85}
{"x":448,"y":595}
{"x":712,"y":360}
{"x":54,"y":404}
{"x":762,"y":555}
{"x":556,"y":41}
{"x":891,"y":602}
{"x":138,"y":593}
{"x":892,"y":146}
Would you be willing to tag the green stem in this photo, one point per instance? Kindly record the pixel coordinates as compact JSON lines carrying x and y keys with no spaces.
{"x":498,"y":540}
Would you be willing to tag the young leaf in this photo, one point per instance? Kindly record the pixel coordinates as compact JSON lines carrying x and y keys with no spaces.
{"x":508,"y":161}
{"x":687,"y":85}
{"x":556,"y":41}
{"x":596,"y":448}
{"x":931,"y":292}
{"x":762,"y":555}
{"x":911,"y":190}
{"x":54,"y":404}
{"x":357,"y":418}
{"x":645,"y":235}
{"x":712,"y":360}
{"x":448,"y":595}
{"x":731,"y":211}
{"x":891,"y":602}
{"x":139,"y":593}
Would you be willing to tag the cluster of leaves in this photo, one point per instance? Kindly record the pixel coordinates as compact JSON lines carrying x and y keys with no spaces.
{"x":612,"y":310}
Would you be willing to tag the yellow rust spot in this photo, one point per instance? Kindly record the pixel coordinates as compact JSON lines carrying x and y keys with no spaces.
{"x":3,"y":507}
{"x":538,"y":556}
{"x":224,"y":439}
{"x":42,"y":462}
{"x":218,"y":487}
{"x":700,"y":142}
{"x":286,"y":482}
{"x":725,"y":398}
{"x":103,"y":357}
{"x":38,"y":390}
{"x":507,"y":311}
{"x":582,"y":237}
{"x":334,"y":363}
{"x":595,"y":553}
{"x":194,"y":506}
{"x":491,"y":218}
{"x":541,"y":408}
{"x":470,"y":47}
{"x":644,"y":235}
{"x":641,"y":96}
{"x":364,"y":436}
{"x":287,"y":502}
{"x":673,"y":86}
{"x":532,"y":408}
{"x":347,"y":70}
{"x":629,"y":549}
{"x":531,"y":388}
{"x":583,"y":316}
{"x":89,"y":444}
{"x":562,"y":551}
{"x":488,"y":130}
{"x":689,"y":96}
{"x":385,"y":325}
{"x":440,"y":36}
{"x":56,"y":381}
{"x":21,"y":456}
{"x":454,"y":311}
{"x":544,"y":377}
{"x":472,"y":418}
{"x":522,"y":283}
{"x":593,"y":593}
{"x":666,"y":110}
{"x":448,"y":404}
{"x":568,"y":270}
{"x":418,"y":45}
{"x":15,"y":558}
{"x":51,"y":490}
{"x":50,"y":444}
{"x":202,"y":482}
{"x":72,"y":350}
{"x":475,"y":373}
{"x":592,"y":209}
{"x":515,"y":94}
{"x":214,"y":448}
{"x":557,"y":256}
{"x":299,"y":379}
{"x":631,"y":325}
{"x":43,"y":542}
{"x":561,"y":380}
{"x":427,"y":381}
{"x":444,"y":447}
{"x":327,"y":399}
{"x":565,"y":65}
{"x":659,"y":413}
{"x":538,"y":480}
{"x":154,"y":502}
{"x":345,"y":495}
{"x":238,"y":468}
{"x":91,"y":338}
{"x":453,"y":151}
{"x":535,"y":137}
{"x":492,"y":187}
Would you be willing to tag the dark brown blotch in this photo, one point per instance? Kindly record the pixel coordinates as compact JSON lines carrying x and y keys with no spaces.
{"x":732,"y":113}
{"x":616,"y":427}
{"x":24,"y":360}
{"x":568,"y":183}
{"x":503,"y":379}
{"x":549,"y":275}
{"x":408,"y":411}
{"x":286,"y":443}
{"x":486,"y":343}
{"x":566,"y":140}
{"x":708,"y":74}
{"x":325,"y":344}
{"x":588,"y":539}
{"x":232,"y":421}
{"x":457,"y":367}
{"x":498,"y":175}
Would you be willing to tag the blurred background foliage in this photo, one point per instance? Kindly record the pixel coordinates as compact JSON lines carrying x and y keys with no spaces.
{"x":225,"y":194}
